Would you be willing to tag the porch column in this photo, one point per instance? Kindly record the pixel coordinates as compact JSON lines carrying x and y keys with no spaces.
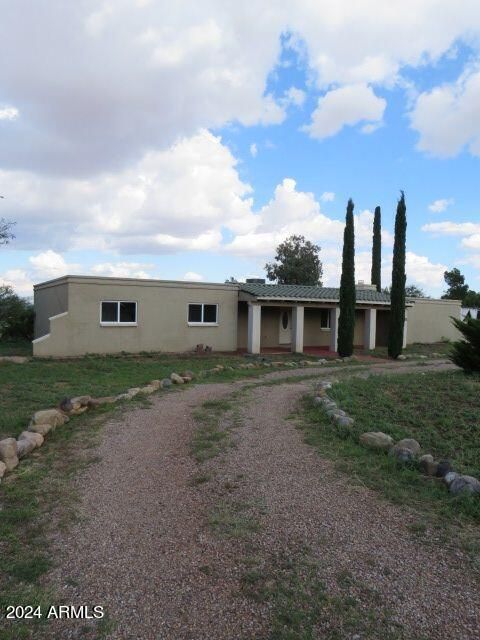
{"x":254,"y":327}
{"x":297,"y":328}
{"x":369,"y":338}
{"x":334,"y":315}
{"x":405,"y":330}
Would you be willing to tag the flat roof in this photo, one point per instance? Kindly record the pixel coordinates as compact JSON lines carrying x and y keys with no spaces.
{"x":132,"y":281}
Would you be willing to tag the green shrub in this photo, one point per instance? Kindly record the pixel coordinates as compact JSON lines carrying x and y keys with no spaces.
{"x":466,"y":352}
{"x":16,"y":315}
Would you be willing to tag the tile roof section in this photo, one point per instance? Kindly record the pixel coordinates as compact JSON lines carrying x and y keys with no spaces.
{"x":303,"y":292}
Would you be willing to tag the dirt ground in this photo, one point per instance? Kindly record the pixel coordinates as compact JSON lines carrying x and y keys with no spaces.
{"x":153,"y":544}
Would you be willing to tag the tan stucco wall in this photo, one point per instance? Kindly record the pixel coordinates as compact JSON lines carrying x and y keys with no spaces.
{"x":162,"y":318}
{"x":429,"y":320}
{"x":313,"y":334}
{"x":49,"y":301}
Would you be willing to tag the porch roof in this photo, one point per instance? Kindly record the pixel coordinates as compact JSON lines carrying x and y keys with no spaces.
{"x":304,"y":293}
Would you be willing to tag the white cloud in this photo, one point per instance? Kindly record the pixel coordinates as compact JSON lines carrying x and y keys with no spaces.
{"x":174,"y":200}
{"x":157,"y":73}
{"x":371,"y":127}
{"x":19,"y":280}
{"x":49,"y":264}
{"x":46,"y":265}
{"x":191,"y":276}
{"x":438,"y":206}
{"x":448,"y":228}
{"x":327,"y":196}
{"x":448,"y":117}
{"x":472,"y":242}
{"x":253,"y":150}
{"x":123,"y":270}
{"x":420,"y":270}
{"x":8,"y":113}
{"x":347,"y":105}
{"x":291,"y":212}
{"x":294,"y":96}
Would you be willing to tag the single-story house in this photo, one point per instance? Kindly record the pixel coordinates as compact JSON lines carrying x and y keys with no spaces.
{"x":76,"y":315}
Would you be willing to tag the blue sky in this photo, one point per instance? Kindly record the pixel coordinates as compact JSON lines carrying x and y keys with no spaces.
{"x":188,"y":144}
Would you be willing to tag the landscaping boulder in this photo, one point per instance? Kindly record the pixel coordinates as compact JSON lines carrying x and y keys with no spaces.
{"x":53,"y":417}
{"x":343,"y":421}
{"x":148,"y":389}
{"x":401,"y":357}
{"x":325,"y":385}
{"x":78,"y":411}
{"x":463,"y":484}
{"x":42,"y":429}
{"x":97,"y":402}
{"x":83,"y":401}
{"x":443,"y":467}
{"x":402,"y":454}
{"x":449,"y":477}
{"x":428,"y":465}
{"x":156,"y":383}
{"x":186,"y":379}
{"x":36,"y":438}
{"x":8,"y":453}
{"x":24,"y":447}
{"x":166,"y":383}
{"x":410,"y":443}
{"x":132,"y":392}
{"x":176,"y":379}
{"x":376,"y":440}
{"x":3,"y":469}
{"x":15,"y":359}
{"x":67,"y":406}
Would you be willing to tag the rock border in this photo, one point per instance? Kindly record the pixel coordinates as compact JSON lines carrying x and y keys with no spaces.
{"x":406,"y":450}
{"x":45,"y":420}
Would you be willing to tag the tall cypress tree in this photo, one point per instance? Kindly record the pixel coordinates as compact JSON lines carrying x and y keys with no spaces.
{"x":397,"y":294}
{"x":346,"y":321}
{"x":377,"y":250}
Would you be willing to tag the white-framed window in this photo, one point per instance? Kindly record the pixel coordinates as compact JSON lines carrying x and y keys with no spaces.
{"x":118,"y":312}
{"x":200,"y":313}
{"x":325,"y":318}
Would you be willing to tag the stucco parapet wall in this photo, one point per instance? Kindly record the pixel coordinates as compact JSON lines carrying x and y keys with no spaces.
{"x":141,"y":282}
{"x":453,"y":303}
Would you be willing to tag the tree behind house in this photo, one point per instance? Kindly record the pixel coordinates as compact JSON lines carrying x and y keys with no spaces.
{"x":457,"y":289}
{"x":397,"y":295}
{"x":346,"y":321}
{"x":297,"y":262}
{"x":376,"y":278}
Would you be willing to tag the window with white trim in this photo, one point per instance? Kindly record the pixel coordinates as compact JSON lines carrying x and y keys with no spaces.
{"x":200,"y":313}
{"x":118,"y":312}
{"x":325,"y":318}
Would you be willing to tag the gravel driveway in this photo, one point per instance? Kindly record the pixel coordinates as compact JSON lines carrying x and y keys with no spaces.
{"x":145,"y":549}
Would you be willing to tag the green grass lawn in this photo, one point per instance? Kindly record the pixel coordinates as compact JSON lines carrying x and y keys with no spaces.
{"x":440,"y":410}
{"x":416,"y":349}
{"x":42,"y":383}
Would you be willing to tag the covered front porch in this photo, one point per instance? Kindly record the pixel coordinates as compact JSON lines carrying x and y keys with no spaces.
{"x":305,"y":328}
{"x":302,"y":318}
